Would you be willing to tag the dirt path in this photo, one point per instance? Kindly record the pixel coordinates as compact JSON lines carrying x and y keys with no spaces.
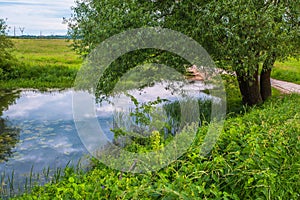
{"x":285,"y":87}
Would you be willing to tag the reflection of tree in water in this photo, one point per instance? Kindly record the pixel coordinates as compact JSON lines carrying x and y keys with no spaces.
{"x":9,"y":135}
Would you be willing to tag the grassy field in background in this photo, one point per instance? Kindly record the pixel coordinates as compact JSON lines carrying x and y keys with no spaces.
{"x":44,"y":63}
{"x":287,"y":71}
{"x":46,"y":53}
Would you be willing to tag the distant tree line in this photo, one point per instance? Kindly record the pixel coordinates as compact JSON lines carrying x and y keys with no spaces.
{"x":41,"y":37}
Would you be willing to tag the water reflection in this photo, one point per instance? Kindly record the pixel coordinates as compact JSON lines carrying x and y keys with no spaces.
{"x":47,"y":137}
{"x":38,"y":130}
{"x":9,"y":135}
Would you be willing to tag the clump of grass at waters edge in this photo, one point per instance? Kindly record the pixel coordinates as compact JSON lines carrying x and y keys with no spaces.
{"x":257,"y":156}
{"x":9,"y":189}
{"x":43,"y":63}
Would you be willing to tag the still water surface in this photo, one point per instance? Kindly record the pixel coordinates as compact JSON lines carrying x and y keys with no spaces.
{"x":42,"y":129}
{"x":37,"y":132}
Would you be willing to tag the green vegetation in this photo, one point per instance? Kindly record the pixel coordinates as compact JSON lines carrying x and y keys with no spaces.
{"x":43,"y":63}
{"x":6,"y":45}
{"x":287,"y":71}
{"x":256,"y":157}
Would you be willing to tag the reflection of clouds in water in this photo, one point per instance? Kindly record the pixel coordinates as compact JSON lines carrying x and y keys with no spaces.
{"x":33,"y":158}
{"x":117,"y":109}
{"x":105,"y":110}
{"x":62,"y":145}
{"x":46,"y":105}
{"x":163,"y":90}
{"x":36,"y":149}
{"x":48,"y":136}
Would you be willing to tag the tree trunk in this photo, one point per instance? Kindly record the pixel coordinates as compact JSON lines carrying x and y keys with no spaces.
{"x":265,"y":84}
{"x":265,"y":77}
{"x":249,"y":88}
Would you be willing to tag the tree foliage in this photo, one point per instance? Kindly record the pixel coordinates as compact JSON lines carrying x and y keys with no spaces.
{"x":239,"y":34}
{"x":94,"y":21}
{"x":5,"y":55}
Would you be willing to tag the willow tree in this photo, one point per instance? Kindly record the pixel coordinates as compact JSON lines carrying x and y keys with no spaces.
{"x":240,"y":35}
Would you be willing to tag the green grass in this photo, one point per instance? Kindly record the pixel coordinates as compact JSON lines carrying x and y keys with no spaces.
{"x":48,"y":63}
{"x":43,"y":63}
{"x":287,"y":71}
{"x":46,"y":52}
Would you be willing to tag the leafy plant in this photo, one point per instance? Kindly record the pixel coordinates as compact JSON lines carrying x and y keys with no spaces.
{"x":143,"y":120}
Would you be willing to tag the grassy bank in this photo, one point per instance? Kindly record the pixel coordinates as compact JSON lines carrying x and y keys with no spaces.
{"x":43,"y":63}
{"x":256,"y":157}
{"x":287,"y":71}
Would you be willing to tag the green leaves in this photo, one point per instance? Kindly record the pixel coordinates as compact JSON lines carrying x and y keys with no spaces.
{"x":6,"y":59}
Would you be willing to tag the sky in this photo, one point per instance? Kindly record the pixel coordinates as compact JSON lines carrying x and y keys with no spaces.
{"x":38,"y":17}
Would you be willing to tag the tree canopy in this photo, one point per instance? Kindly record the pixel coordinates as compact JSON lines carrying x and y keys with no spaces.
{"x":5,"y":54}
{"x":240,"y":35}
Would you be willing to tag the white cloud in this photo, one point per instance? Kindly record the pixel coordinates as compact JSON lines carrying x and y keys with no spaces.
{"x":36,"y":16}
{"x":47,"y":106}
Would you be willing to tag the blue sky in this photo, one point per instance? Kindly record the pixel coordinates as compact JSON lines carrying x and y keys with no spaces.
{"x":36,"y":16}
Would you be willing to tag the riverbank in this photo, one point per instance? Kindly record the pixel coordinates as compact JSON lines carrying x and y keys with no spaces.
{"x":256,"y":156}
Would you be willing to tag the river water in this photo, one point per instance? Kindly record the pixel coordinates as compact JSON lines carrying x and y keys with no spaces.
{"x":38,"y":134}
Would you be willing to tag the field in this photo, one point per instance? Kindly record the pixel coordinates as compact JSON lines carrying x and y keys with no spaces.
{"x":287,"y":71}
{"x":46,"y":53}
{"x":44,"y":63}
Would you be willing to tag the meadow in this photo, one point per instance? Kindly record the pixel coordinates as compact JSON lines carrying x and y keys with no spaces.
{"x":43,"y":63}
{"x":288,"y":70}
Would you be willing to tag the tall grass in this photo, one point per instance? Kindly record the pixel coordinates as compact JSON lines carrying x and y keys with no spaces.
{"x":46,"y":53}
{"x":12,"y":185}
